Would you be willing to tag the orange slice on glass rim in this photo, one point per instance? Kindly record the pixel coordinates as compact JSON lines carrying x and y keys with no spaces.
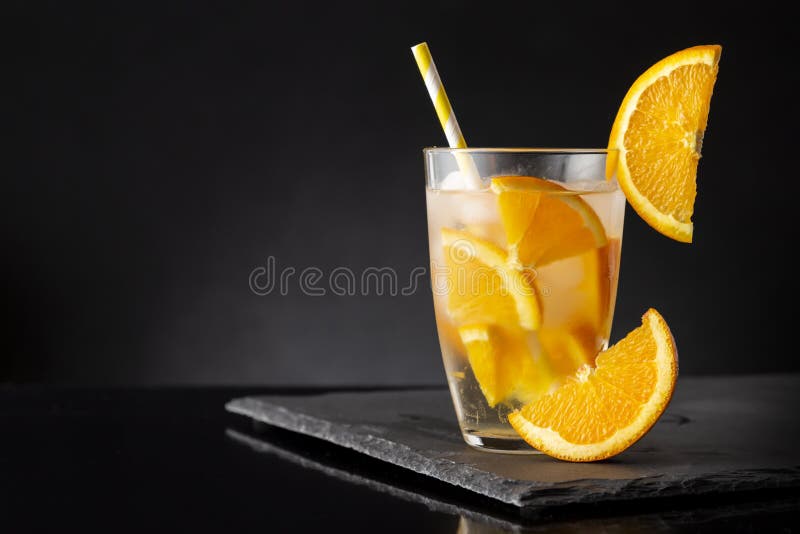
{"x":658,"y":137}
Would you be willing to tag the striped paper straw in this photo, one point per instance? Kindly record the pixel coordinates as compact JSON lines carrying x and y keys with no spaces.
{"x":438,"y":96}
{"x":447,"y":117}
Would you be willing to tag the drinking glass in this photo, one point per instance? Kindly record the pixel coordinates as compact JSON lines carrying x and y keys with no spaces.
{"x":525,"y":249}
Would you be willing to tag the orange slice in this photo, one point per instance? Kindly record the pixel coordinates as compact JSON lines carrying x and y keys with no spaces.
{"x":483,"y":288}
{"x":576,"y":325}
{"x":596,"y":284}
{"x":658,"y":134}
{"x":503,"y":365}
{"x":567,"y":349}
{"x":545,"y":222}
{"x":604,"y":410}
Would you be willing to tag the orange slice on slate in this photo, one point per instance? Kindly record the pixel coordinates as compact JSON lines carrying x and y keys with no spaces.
{"x":603,"y":410}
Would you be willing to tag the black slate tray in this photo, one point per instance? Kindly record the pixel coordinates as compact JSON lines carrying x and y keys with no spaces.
{"x":722,"y":434}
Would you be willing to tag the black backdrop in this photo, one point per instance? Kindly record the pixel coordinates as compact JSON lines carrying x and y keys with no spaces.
{"x":159,"y":152}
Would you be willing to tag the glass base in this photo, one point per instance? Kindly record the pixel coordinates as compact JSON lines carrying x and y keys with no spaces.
{"x":498,"y":444}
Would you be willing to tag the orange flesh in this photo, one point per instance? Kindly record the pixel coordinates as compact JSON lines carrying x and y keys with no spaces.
{"x":664,"y":138}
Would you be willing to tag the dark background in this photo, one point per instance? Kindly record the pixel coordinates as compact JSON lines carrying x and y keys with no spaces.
{"x":159,"y":152}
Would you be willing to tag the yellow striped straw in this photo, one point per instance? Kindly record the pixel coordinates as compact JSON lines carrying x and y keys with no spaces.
{"x":447,"y":117}
{"x":438,"y":96}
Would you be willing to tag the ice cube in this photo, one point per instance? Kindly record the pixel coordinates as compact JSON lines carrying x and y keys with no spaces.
{"x":460,"y":181}
{"x":454,"y":181}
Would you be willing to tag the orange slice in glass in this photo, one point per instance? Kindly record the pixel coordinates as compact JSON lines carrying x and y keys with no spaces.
{"x":569,"y":347}
{"x":483,"y":288}
{"x":545,"y":222}
{"x":503,"y":365}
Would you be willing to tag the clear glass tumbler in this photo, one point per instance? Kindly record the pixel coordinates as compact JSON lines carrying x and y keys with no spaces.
{"x":525,"y":249}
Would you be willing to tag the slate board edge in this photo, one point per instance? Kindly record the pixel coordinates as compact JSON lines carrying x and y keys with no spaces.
{"x":524,"y":494}
{"x":376,"y":485}
{"x":588,"y":491}
{"x":382,"y":449}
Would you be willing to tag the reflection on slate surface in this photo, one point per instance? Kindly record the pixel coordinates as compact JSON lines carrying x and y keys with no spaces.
{"x":279,"y":444}
{"x":719,"y":435}
{"x":479,"y":516}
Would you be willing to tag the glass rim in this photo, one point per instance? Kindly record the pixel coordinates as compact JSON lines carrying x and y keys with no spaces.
{"x":516,"y":150}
